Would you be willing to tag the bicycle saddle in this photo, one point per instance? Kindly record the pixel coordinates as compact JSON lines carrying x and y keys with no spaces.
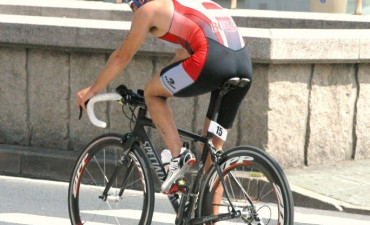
{"x":236,"y":82}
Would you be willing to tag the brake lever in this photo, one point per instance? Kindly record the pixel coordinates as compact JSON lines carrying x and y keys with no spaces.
{"x":81,"y":110}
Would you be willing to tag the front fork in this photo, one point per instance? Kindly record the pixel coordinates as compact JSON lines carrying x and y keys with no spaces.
{"x":128,"y":142}
{"x":118,"y":169}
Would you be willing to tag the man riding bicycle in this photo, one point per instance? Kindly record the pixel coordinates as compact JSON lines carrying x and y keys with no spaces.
{"x":210,"y":50}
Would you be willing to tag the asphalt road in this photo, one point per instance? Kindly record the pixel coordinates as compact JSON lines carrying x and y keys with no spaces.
{"x":38,"y":202}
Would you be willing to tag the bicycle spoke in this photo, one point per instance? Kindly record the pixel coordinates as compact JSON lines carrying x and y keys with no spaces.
{"x":269,"y":192}
{"x":93,"y":219}
{"x":101,"y":170}
{"x":259,"y":190}
{"x":231,"y":188}
{"x":90,"y":175}
{"x":249,"y":182}
{"x":136,"y":181}
{"x":240,"y":186}
{"x":105,"y":175}
{"x":115,"y":217}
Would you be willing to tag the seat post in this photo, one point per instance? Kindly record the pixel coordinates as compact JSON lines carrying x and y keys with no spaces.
{"x":216,"y":109}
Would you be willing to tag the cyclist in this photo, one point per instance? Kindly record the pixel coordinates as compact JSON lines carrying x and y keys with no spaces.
{"x":210,"y":50}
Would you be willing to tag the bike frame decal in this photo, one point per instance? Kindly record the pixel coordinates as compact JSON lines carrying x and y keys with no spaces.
{"x":281,"y":204}
{"x":153,"y":159}
{"x":228,"y":165}
{"x":77,"y":179}
{"x":217,"y":130}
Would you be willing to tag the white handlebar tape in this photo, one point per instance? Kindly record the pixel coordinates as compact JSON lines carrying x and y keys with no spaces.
{"x":100,"y":98}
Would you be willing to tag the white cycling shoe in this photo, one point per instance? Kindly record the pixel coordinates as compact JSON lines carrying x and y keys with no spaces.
{"x":178,"y":167}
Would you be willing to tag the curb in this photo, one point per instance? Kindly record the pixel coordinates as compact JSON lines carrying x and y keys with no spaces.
{"x":37,"y":162}
{"x":310,"y":199}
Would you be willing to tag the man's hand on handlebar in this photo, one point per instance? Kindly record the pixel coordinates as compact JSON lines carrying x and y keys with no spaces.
{"x":83,"y":97}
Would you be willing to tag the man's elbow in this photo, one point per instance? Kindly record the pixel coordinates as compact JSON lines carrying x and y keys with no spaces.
{"x":123,"y":58}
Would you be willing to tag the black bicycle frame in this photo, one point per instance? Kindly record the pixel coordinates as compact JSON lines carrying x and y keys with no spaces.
{"x":133,"y":140}
{"x":139,"y":135}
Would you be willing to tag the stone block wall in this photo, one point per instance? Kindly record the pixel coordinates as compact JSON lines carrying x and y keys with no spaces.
{"x":302,"y":114}
{"x":287,"y":112}
{"x":362,"y":116}
{"x":312,"y":113}
{"x":13,"y":96}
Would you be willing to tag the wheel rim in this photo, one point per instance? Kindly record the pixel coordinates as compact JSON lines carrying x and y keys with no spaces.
{"x":90,"y":178}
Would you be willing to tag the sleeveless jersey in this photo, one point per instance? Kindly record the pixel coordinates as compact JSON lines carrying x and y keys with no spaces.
{"x":217,"y":51}
{"x":194,"y":23}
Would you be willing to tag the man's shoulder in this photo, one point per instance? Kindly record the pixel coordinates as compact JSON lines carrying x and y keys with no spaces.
{"x":157,"y":4}
{"x":154,"y":7}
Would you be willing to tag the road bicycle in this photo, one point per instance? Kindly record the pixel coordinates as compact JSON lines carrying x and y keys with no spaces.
{"x":112,"y":181}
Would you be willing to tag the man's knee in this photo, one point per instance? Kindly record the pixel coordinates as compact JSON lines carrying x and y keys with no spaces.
{"x":150,"y":92}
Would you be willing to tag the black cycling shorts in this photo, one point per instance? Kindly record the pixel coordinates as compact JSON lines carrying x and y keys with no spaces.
{"x":221,"y":64}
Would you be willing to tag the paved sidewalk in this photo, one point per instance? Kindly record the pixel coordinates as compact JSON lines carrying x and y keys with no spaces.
{"x":344,"y":186}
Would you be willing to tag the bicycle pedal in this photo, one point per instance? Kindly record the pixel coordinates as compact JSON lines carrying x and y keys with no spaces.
{"x":181,"y":184}
{"x":174,"y":189}
{"x":178,"y":186}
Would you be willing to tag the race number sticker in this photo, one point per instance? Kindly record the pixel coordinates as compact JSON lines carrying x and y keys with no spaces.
{"x":218,"y":130}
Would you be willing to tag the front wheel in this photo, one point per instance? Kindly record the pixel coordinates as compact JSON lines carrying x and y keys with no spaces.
{"x":257,"y":186}
{"x":131,"y":198}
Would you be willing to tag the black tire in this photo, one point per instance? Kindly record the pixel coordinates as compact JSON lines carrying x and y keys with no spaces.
{"x":261,"y":178}
{"x":90,"y":174}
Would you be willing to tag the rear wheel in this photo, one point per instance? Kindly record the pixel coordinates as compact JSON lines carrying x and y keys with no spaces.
{"x":131,"y":198}
{"x":257,"y":186}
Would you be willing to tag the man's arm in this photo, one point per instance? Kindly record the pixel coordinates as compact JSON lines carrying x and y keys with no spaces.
{"x":122,"y":56}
